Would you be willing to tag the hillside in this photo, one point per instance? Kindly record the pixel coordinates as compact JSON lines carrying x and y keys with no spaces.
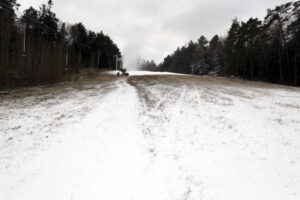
{"x":155,"y":136}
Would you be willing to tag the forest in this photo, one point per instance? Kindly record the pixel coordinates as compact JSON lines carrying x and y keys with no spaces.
{"x":267,"y":50}
{"x":37,"y":48}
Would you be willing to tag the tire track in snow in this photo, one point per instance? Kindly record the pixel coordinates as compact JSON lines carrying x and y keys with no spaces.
{"x":185,"y":153}
{"x":165,"y":143}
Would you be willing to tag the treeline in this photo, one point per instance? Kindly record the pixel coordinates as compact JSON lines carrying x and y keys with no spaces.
{"x":37,"y":48}
{"x":147,"y":65}
{"x":267,"y":50}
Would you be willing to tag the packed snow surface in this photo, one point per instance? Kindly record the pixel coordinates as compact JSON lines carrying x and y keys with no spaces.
{"x":151,"y":137}
{"x":139,"y":73}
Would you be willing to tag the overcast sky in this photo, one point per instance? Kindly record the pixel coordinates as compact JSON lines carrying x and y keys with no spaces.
{"x":154,"y":28}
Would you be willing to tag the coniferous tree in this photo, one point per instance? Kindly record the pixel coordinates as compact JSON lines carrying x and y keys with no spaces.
{"x":231,"y":64}
{"x":8,"y":38}
{"x":266,"y":50}
{"x":38,"y":48}
{"x":215,"y":55}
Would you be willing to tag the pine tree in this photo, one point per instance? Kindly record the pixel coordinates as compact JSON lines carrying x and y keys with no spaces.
{"x":49,"y":21}
{"x":8,"y":35}
{"x":215,"y":55}
{"x":202,"y":62}
{"x":294,"y":30}
{"x":231,"y":64}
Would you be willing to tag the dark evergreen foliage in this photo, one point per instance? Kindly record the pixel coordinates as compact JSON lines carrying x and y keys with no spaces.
{"x":38,"y":48}
{"x":266,"y":50}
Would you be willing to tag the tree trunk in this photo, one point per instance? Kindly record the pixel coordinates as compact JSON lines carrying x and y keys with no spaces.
{"x":285,"y":48}
{"x":266,"y":64}
{"x":280,"y":67}
{"x":296,"y":69}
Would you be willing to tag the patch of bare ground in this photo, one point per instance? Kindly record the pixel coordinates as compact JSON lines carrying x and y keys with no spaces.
{"x":214,"y":90}
{"x":211,"y":91}
{"x":50,"y":108}
{"x":208,"y":80}
{"x":167,"y":87}
{"x":87,"y":82}
{"x":288,"y":105}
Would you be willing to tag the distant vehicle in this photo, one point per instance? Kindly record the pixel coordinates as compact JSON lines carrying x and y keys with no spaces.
{"x":123,"y":72}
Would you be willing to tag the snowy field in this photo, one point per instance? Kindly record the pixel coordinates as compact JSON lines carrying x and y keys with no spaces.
{"x":152,"y":137}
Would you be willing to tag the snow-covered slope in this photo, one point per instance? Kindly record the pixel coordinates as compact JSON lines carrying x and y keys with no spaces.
{"x":139,"y":73}
{"x":151,"y":137}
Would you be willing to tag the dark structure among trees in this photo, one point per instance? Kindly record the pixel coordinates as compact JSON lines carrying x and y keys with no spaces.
{"x":37,"y":48}
{"x":266,"y":50}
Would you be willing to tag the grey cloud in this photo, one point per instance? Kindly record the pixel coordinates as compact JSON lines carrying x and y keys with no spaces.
{"x":154,"y":28}
{"x":213,"y":18}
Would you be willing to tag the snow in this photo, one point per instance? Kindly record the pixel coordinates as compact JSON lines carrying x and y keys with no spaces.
{"x":151,"y":137}
{"x":140,"y":73}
